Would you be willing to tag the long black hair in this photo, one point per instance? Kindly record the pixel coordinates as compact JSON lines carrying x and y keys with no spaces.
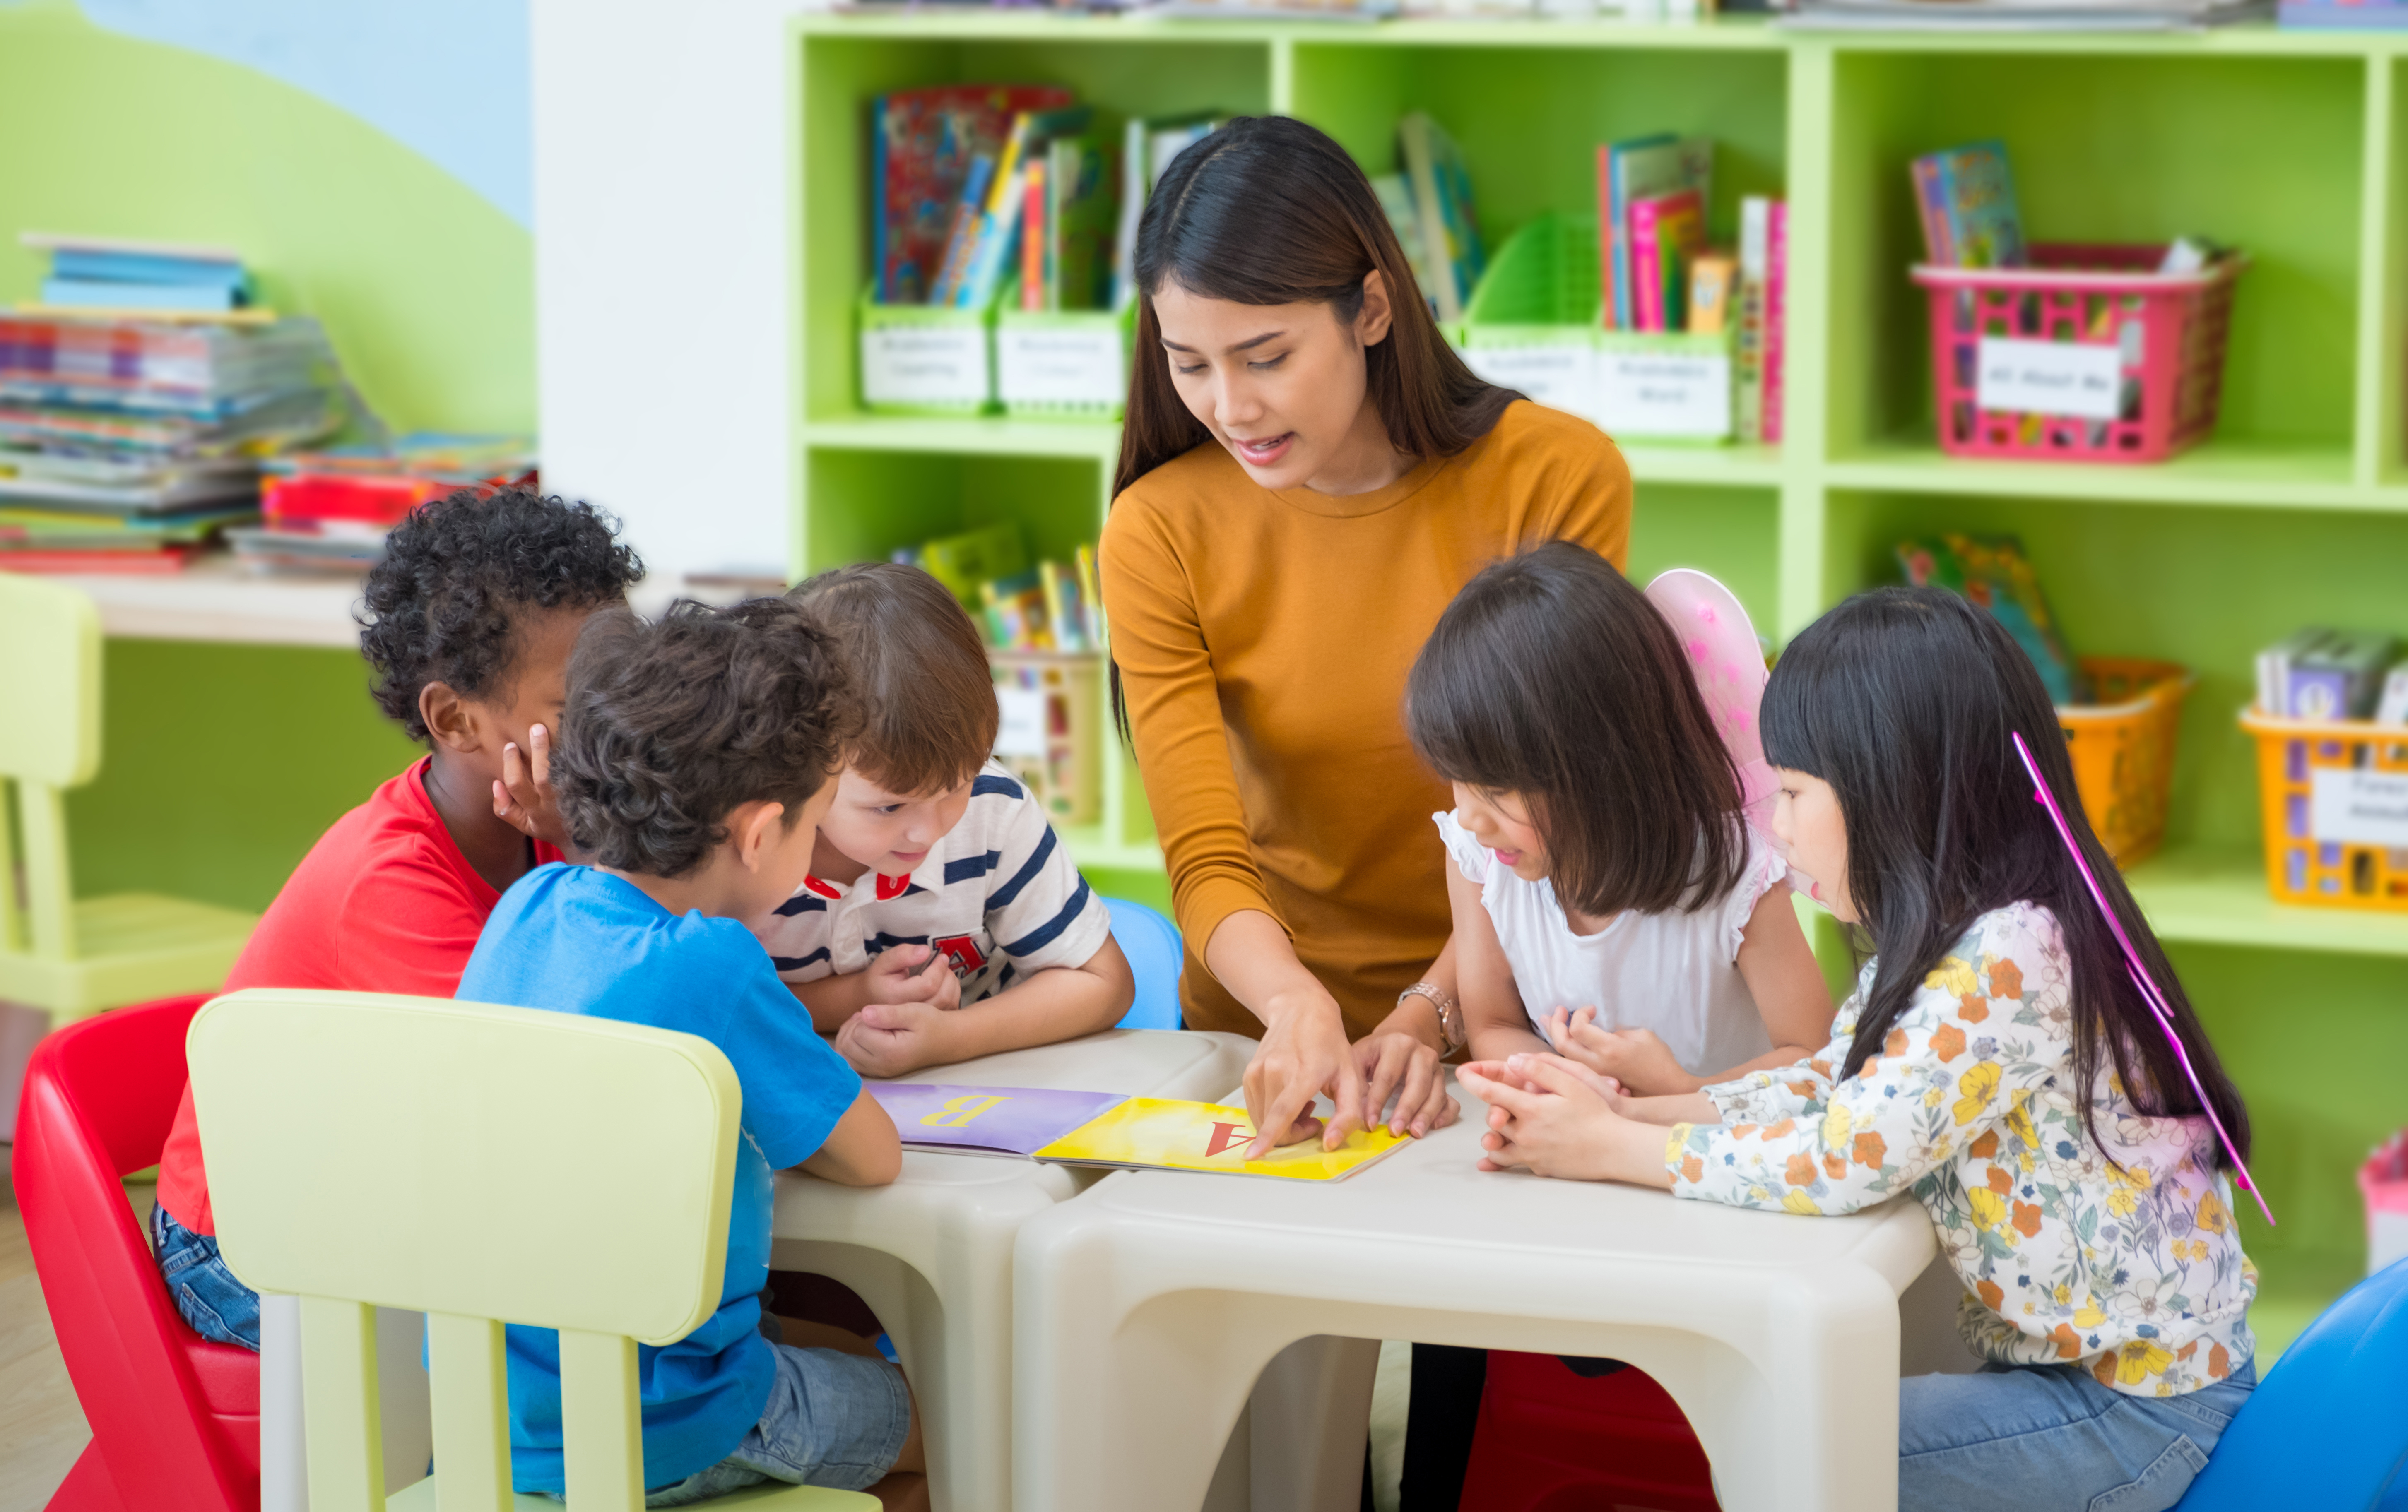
{"x":1904,"y":700}
{"x":1551,"y":676}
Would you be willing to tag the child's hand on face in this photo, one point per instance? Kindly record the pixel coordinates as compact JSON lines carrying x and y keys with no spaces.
{"x":915,"y":974}
{"x":522,"y":796}
{"x":1634,"y":1057}
{"x":1545,"y":1118}
{"x":889,"y":1039}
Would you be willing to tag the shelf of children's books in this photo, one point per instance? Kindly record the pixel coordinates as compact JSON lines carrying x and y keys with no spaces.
{"x":1092,"y":847}
{"x":2218,"y":897}
{"x":1000,"y":437}
{"x":2249,"y":474}
{"x":1745,"y":467}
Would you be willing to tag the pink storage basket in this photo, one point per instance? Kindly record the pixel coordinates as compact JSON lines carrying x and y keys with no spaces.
{"x":2167,"y":329}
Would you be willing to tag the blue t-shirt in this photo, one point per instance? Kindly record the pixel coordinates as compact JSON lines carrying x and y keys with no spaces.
{"x":576,"y":940}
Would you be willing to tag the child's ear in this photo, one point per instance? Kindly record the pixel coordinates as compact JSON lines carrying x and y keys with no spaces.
{"x":451,"y":721}
{"x":756,"y":827}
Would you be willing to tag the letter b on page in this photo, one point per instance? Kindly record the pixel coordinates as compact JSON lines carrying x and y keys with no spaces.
{"x":957,"y":1111}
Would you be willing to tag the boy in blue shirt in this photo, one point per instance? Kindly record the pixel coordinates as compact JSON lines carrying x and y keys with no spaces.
{"x":696,"y":756}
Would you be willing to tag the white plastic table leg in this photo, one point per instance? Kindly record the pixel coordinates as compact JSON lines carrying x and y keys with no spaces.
{"x":1307,"y":1419}
{"x":1146,"y":1309}
{"x":931,"y":1255}
{"x":283,"y":1455}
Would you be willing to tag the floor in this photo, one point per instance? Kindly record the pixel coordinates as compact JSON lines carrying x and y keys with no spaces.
{"x":41,"y":1428}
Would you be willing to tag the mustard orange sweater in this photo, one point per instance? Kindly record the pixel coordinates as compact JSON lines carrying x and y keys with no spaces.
{"x":1263,"y":639}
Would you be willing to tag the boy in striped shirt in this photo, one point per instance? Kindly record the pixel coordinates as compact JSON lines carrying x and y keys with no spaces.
{"x":942,"y":919}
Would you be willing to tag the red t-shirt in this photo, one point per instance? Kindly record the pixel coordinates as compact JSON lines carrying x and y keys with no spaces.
{"x":383,"y":902}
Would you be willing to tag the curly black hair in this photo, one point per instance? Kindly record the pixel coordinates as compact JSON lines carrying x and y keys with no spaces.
{"x":443,"y":605}
{"x":673,"y":722}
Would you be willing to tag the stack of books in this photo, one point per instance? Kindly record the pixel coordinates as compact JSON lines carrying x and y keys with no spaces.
{"x":1049,"y":606}
{"x":330,"y":510}
{"x":2321,"y":674}
{"x":126,"y":442}
{"x":116,"y":276}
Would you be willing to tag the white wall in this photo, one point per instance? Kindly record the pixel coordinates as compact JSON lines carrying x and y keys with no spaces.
{"x":663,"y":210}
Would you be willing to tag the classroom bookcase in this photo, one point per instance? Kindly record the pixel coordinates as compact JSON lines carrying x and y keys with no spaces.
{"x":2288,"y":145}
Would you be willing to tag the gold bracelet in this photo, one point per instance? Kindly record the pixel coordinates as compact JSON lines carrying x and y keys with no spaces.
{"x":1450,"y":1014}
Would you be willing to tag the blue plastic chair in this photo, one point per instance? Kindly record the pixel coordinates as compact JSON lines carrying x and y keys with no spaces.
{"x":1151,"y":944}
{"x":2333,"y":1413}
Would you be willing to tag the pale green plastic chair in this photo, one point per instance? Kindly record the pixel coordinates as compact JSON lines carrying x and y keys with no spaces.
{"x":479,"y":1164}
{"x":75,"y":957}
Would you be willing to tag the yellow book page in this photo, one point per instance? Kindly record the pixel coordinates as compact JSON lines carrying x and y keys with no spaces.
{"x":1158,"y":1132}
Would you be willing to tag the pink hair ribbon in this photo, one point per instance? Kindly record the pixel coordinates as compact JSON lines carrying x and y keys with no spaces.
{"x":2140,"y":974}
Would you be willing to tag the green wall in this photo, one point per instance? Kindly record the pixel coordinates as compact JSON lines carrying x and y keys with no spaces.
{"x":223,"y":763}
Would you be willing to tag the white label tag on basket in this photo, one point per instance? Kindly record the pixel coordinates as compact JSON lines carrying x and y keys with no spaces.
{"x":923,"y":364}
{"x":2352,"y":808}
{"x":2049,"y":377}
{"x":1022,"y":732}
{"x":1076,"y":367}
{"x":1674,"y":394}
{"x":1559,"y":377}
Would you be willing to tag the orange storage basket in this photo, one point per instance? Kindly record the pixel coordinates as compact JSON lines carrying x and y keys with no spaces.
{"x":2301,"y":867}
{"x":2123,"y":750}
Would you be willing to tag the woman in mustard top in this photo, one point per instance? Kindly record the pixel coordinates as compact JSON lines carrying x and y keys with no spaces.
{"x":1307,"y":476}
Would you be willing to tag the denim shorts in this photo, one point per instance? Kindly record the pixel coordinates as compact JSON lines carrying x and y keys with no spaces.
{"x":832,"y":1419}
{"x":219,"y":1308}
{"x":2037,"y":1438}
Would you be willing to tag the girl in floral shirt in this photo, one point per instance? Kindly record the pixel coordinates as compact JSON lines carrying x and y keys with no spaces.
{"x":1995,"y":1061}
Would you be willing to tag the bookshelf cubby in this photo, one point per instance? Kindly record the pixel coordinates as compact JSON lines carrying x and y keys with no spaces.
{"x":2291,"y":146}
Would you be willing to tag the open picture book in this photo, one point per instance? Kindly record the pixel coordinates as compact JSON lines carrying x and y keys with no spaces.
{"x":1108,"y":1129}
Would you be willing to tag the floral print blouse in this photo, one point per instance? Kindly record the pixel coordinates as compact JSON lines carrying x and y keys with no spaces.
{"x":2135,"y":1275}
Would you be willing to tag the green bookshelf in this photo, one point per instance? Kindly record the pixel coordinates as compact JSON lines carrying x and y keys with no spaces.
{"x":2286,"y":144}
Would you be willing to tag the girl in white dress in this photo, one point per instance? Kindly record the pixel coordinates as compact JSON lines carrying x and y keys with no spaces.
{"x":1609,"y":902}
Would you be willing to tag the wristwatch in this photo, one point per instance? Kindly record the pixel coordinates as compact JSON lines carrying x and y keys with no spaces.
{"x":1450,"y":1013}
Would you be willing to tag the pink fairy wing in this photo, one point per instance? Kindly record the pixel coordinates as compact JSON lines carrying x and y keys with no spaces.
{"x":1727,"y":661}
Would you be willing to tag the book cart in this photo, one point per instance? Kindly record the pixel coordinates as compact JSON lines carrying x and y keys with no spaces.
{"x":2290,"y":146}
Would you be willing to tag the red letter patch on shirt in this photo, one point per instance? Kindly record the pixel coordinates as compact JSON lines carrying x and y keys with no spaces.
{"x":968,"y":957}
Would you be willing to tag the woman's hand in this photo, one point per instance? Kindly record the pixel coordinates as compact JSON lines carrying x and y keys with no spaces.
{"x":1634,"y":1057}
{"x":1547,"y":1119}
{"x":1396,"y":1058}
{"x":1303,"y":1054}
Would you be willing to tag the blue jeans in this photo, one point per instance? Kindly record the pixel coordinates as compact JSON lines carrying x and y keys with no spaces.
{"x":218,"y":1306}
{"x":2036,"y":1438}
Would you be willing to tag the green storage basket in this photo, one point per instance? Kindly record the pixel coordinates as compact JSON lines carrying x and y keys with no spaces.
{"x":1533,"y":325}
{"x":925,"y":358}
{"x":1069,"y":364}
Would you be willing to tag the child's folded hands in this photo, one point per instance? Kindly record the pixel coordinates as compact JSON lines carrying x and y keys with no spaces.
{"x":1552,"y":1117}
{"x":1634,"y":1057}
{"x":891,"y":1039}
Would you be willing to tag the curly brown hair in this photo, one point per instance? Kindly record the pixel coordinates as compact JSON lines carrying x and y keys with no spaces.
{"x":671,"y":723}
{"x":448,"y":600}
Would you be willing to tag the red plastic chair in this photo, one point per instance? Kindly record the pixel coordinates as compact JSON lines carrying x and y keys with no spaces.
{"x":1551,"y":1441}
{"x":175,"y":1418}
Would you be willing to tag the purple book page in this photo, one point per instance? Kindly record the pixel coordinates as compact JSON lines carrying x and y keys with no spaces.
{"x":996,"y":1121}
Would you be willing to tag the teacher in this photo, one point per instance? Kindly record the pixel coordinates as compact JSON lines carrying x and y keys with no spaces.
{"x":1308,"y":474}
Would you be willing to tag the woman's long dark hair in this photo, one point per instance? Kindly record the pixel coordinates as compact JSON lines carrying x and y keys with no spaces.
{"x":1904,"y":700}
{"x":1268,"y":210}
{"x":1551,"y":676}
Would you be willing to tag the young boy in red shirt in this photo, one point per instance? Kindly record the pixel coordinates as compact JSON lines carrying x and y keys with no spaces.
{"x":468,"y":624}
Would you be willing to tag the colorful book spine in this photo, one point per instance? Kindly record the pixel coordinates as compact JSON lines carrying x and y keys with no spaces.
{"x":1714,"y":283}
{"x":1063,"y":613}
{"x":962,"y":236}
{"x":1966,"y":197}
{"x":1606,"y":223}
{"x":1776,"y":301}
{"x":1036,"y":239}
{"x":1665,"y":232}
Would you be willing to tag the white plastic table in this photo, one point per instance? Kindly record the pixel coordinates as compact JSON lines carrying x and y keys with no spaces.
{"x":932,"y":1253}
{"x":1146,"y":1308}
